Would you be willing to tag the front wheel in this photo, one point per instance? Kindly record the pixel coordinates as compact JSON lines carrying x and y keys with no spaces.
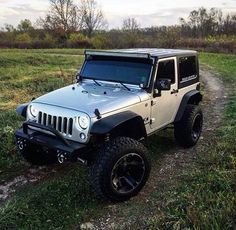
{"x":120,"y":170}
{"x":188,"y":130}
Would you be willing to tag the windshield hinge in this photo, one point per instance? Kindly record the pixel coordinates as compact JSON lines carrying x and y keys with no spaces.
{"x":152,"y":120}
{"x":97,"y":113}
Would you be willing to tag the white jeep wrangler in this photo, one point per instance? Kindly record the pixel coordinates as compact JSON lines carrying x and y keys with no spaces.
{"x":120,"y":98}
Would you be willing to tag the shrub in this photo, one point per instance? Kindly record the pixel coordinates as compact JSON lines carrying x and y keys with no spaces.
{"x":209,"y":45}
{"x":100,"y":42}
{"x":23,"y":38}
{"x":169,"y":37}
{"x":22,"y":41}
{"x":77,"y":37}
{"x":78,"y":40}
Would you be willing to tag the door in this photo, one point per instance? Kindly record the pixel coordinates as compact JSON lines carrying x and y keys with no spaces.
{"x":164,"y":107}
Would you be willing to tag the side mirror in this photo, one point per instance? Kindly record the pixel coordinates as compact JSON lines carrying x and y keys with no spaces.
{"x":162,"y":84}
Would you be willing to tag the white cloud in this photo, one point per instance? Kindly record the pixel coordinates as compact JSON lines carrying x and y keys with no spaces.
{"x":11,"y":12}
{"x":159,"y":12}
{"x":147,"y":12}
{"x":150,"y":6}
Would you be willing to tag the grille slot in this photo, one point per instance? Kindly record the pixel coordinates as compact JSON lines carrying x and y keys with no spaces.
{"x":70,"y":126}
{"x":44,"y":119}
{"x":62,"y":124}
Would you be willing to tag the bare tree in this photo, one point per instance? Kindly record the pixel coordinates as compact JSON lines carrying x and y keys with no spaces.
{"x":9,"y":28}
{"x":202,"y":23}
{"x":229,"y":24}
{"x":130,"y":25}
{"x":92,"y":16}
{"x":130,"y":32}
{"x":62,"y":17}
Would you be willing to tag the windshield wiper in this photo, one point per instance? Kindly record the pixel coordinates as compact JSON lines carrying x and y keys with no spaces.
{"x":95,"y":82}
{"x":90,"y":78}
{"x":124,"y":86}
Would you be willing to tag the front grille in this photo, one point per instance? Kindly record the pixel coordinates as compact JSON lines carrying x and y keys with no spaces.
{"x":62,"y":124}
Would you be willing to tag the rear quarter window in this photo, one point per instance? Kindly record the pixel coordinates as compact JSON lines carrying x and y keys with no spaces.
{"x":188,"y":70}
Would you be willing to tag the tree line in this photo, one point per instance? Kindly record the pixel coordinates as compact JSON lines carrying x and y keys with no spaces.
{"x":83,"y":25}
{"x":203,"y":23}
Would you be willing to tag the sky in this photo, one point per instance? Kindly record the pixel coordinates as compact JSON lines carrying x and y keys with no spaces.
{"x":147,"y":12}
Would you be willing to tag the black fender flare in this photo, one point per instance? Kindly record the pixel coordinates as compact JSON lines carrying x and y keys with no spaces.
{"x":191,"y":97}
{"x":107,"y":124}
{"x":22,"y":109}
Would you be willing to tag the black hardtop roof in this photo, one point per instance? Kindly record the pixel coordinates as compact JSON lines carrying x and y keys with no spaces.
{"x":142,"y":52}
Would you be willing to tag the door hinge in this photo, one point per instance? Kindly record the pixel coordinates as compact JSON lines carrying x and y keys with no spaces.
{"x":174,"y":91}
{"x":153,"y":103}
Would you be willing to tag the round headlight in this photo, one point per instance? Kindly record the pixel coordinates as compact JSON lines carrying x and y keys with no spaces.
{"x":83,"y":122}
{"x":33,"y":111}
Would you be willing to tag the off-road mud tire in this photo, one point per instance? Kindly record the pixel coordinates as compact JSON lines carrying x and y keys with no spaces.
{"x":102,"y":169}
{"x":188,"y":130}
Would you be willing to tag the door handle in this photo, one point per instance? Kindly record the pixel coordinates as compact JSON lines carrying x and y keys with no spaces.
{"x":174,"y":91}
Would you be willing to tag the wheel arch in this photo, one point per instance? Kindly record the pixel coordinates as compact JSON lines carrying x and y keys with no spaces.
{"x":22,"y":109}
{"x":126,"y":123}
{"x":193,"y":97}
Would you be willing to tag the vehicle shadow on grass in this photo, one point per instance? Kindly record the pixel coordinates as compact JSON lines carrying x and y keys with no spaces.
{"x":160,"y":143}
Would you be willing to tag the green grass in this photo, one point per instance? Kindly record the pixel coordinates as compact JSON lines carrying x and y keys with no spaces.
{"x":202,"y":197}
{"x":58,"y":203}
{"x":47,"y":51}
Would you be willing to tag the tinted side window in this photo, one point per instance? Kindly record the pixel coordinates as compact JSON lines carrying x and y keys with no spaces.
{"x":166,"y":69}
{"x":187,"y":68}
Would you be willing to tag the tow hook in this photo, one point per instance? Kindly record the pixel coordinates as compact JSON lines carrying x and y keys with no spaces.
{"x":21,"y":144}
{"x":61,"y":157}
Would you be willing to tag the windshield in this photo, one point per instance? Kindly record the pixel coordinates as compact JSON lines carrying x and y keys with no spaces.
{"x":130,"y":71}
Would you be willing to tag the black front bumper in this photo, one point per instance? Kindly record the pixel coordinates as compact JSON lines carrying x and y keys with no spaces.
{"x":52,"y":140}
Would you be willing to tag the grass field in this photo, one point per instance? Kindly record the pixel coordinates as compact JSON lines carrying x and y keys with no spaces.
{"x":65,"y":200}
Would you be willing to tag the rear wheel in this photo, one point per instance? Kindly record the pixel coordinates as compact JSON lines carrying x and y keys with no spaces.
{"x":188,"y":130}
{"x":120,"y":170}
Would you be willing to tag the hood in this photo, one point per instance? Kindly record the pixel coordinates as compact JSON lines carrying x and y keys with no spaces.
{"x":87,"y":97}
